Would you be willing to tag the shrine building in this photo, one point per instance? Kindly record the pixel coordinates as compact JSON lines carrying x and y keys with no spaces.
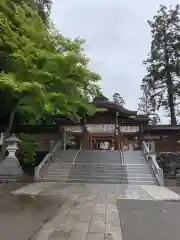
{"x":120,"y":127}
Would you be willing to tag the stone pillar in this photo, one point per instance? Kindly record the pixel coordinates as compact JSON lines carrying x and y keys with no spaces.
{"x":10,"y":168}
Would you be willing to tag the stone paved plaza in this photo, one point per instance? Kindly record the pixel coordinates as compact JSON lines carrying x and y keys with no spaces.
{"x":93,"y":211}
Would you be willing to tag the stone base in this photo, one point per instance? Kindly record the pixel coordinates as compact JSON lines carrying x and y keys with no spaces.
{"x":10,"y":169}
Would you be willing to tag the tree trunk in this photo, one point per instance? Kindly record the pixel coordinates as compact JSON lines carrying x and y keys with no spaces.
{"x":169,"y":83}
{"x":7,"y":134}
{"x":171,"y":101}
{"x":85,"y":134}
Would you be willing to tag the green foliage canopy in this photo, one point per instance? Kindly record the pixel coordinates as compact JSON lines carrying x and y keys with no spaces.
{"x":41,"y":71}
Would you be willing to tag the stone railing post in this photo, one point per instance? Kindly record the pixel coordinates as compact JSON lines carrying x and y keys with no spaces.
{"x":1,"y":138}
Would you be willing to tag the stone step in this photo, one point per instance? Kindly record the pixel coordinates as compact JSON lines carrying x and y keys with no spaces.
{"x":97,"y":169}
{"x":103,"y":175}
{"x":98,"y":160}
{"x":88,"y":164}
{"x":92,"y":167}
{"x":98,"y":177}
{"x":134,"y":182}
{"x":136,"y":165}
{"x":98,"y":173}
{"x":101,"y":165}
{"x":74,"y":176}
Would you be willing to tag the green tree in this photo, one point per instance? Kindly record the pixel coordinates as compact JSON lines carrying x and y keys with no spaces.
{"x":147,"y":106}
{"x":27,"y":152}
{"x":163,"y":71}
{"x":117,"y":98}
{"x":42,"y":7}
{"x":41,"y":71}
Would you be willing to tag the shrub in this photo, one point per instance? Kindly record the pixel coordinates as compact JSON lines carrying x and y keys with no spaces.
{"x":27,"y":152}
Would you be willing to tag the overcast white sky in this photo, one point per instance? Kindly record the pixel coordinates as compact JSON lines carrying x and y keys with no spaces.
{"x":117,"y":39}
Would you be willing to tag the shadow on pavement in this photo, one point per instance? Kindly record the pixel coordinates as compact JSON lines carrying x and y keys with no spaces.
{"x":149,"y":220}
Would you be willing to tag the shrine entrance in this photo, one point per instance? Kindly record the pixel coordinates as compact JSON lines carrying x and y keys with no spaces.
{"x":127,"y":137}
{"x":112,"y":124}
{"x":101,"y":136}
{"x":96,"y":141}
{"x":93,"y":136}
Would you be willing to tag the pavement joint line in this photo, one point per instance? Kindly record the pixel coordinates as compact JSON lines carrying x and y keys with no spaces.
{"x":43,"y":230}
{"x":91,"y":217}
{"x":120,"y":220}
{"x":106,"y":213}
{"x":131,"y":192}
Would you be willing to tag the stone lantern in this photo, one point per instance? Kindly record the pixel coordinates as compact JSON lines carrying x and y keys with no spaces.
{"x":10,"y":167}
{"x":12,"y":145}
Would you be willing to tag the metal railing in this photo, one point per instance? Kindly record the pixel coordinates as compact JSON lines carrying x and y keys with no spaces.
{"x":50,"y":157}
{"x":75,"y":157}
{"x":151,"y":159}
{"x":122,"y":156}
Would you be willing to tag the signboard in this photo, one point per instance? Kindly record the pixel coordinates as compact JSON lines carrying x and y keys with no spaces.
{"x":110,"y":128}
{"x":152,"y":137}
{"x":129,"y":129}
{"x":102,"y":128}
{"x":75,"y":129}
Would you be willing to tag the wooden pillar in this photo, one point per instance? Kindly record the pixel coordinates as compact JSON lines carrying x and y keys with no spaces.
{"x":85,"y":135}
{"x":117,"y":132}
{"x":90,"y":141}
{"x":64,"y":139}
{"x":85,"y":138}
{"x":140,"y":136}
{"x":78,"y":142}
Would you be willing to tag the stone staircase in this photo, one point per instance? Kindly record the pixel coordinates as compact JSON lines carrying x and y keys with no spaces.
{"x":90,"y":167}
{"x":137,"y":170}
{"x":59,"y":170}
{"x":100,"y":166}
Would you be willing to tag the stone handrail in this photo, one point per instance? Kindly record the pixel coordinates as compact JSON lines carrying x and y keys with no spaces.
{"x":151,"y":159}
{"x":75,"y":157}
{"x":50,"y":157}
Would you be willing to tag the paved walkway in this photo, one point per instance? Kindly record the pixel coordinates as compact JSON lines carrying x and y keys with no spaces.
{"x":22,"y":216}
{"x":93,"y":212}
